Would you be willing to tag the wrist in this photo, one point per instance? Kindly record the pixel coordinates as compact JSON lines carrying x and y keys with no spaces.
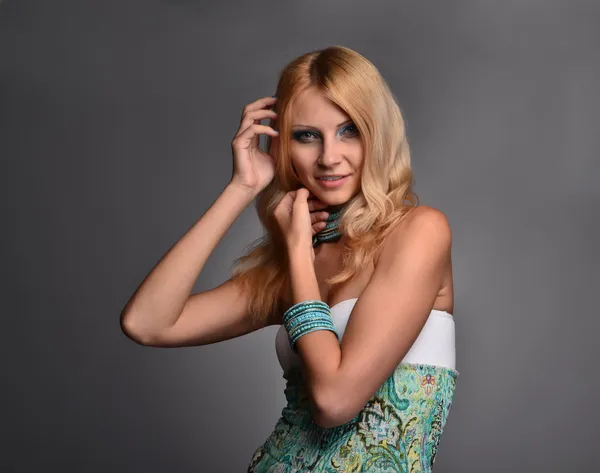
{"x":299,"y":255}
{"x":242,"y":190}
{"x":303,"y":279}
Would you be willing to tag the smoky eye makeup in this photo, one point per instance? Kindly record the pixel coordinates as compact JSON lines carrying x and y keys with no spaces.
{"x":350,"y":128}
{"x":306,"y":135}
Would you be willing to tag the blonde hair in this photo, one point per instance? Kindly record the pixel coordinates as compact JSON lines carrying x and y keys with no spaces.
{"x":353,"y":83}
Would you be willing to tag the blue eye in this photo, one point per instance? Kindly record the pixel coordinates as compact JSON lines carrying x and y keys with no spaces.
{"x":352,"y":128}
{"x":305,"y":136}
{"x":300,"y":135}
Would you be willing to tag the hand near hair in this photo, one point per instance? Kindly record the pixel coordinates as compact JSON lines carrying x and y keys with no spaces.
{"x":254,"y":169}
{"x":299,"y":218}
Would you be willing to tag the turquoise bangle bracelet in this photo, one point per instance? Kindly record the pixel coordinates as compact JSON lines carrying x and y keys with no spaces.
{"x":306,"y":317}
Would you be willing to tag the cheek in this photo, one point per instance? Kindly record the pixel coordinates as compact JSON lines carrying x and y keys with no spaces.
{"x":302,"y":161}
{"x":298,"y":169}
{"x":357,"y":165}
{"x":359,"y":156}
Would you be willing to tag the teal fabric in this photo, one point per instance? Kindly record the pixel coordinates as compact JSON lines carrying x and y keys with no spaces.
{"x":331,"y":232}
{"x":398,"y":430}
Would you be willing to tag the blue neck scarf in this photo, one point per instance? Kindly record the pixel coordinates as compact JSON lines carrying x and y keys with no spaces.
{"x":331,"y":232}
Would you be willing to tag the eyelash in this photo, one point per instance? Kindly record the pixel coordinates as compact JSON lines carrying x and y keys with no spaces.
{"x":299,"y":134}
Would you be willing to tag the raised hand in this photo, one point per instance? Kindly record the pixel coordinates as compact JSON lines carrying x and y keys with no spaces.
{"x":253,"y":168}
{"x":300,"y":216}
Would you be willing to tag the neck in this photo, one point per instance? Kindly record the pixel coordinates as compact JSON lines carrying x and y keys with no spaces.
{"x":331,"y":232}
{"x":337,"y":207}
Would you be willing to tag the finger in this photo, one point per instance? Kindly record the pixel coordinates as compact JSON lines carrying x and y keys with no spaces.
{"x":317,"y":227}
{"x":301,"y":197}
{"x":255,"y":117}
{"x":315,"y":204}
{"x":258,"y":104}
{"x":255,"y":130}
{"x":287,"y":200}
{"x":316,"y":217}
{"x":246,"y":121}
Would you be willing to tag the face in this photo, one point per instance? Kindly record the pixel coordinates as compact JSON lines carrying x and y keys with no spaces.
{"x":325,"y":142}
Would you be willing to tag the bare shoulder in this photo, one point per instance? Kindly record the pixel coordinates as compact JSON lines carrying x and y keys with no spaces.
{"x":425,"y":233}
{"x":424,"y":228}
{"x":426,"y":215}
{"x":421,"y":222}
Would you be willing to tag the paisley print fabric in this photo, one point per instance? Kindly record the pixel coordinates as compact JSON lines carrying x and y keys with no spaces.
{"x":398,"y":430}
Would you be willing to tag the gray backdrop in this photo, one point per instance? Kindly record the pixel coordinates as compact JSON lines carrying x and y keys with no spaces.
{"x":116,"y":120}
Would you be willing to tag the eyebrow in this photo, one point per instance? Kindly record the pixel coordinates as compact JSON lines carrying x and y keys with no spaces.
{"x":314,"y":128}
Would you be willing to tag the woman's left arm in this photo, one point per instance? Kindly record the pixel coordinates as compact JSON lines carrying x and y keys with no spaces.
{"x":384,"y":323}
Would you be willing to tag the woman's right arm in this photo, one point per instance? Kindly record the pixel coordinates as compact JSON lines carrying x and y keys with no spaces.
{"x":161,"y":311}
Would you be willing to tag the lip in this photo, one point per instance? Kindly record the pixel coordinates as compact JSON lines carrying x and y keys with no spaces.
{"x":333,"y":184}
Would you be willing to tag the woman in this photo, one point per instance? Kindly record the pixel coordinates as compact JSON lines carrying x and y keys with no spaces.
{"x":359,"y":280}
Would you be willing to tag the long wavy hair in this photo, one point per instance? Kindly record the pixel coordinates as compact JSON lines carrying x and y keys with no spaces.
{"x":352,"y":82}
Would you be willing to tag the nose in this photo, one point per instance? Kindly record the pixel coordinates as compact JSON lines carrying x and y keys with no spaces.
{"x":331,"y":152}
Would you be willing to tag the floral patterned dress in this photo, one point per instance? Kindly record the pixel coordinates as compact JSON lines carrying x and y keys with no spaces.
{"x":398,"y":430}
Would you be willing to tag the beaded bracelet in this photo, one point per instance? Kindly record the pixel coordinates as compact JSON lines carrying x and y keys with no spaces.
{"x":306,"y":317}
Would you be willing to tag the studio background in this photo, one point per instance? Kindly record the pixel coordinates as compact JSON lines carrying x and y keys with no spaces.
{"x":116,"y":120}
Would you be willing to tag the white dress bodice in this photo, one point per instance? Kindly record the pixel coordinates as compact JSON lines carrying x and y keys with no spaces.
{"x":435,"y":344}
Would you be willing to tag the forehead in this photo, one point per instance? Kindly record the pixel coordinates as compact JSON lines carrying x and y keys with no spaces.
{"x":311,"y":107}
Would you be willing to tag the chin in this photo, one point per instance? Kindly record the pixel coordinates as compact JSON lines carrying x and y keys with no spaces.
{"x":331,"y":198}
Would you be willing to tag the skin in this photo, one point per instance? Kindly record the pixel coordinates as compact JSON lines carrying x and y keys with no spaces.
{"x":324,"y":141}
{"x":409,"y":279}
{"x":412,"y":276}
{"x":320,"y":146}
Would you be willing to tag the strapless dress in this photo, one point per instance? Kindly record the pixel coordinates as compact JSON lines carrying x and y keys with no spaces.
{"x":398,"y":430}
